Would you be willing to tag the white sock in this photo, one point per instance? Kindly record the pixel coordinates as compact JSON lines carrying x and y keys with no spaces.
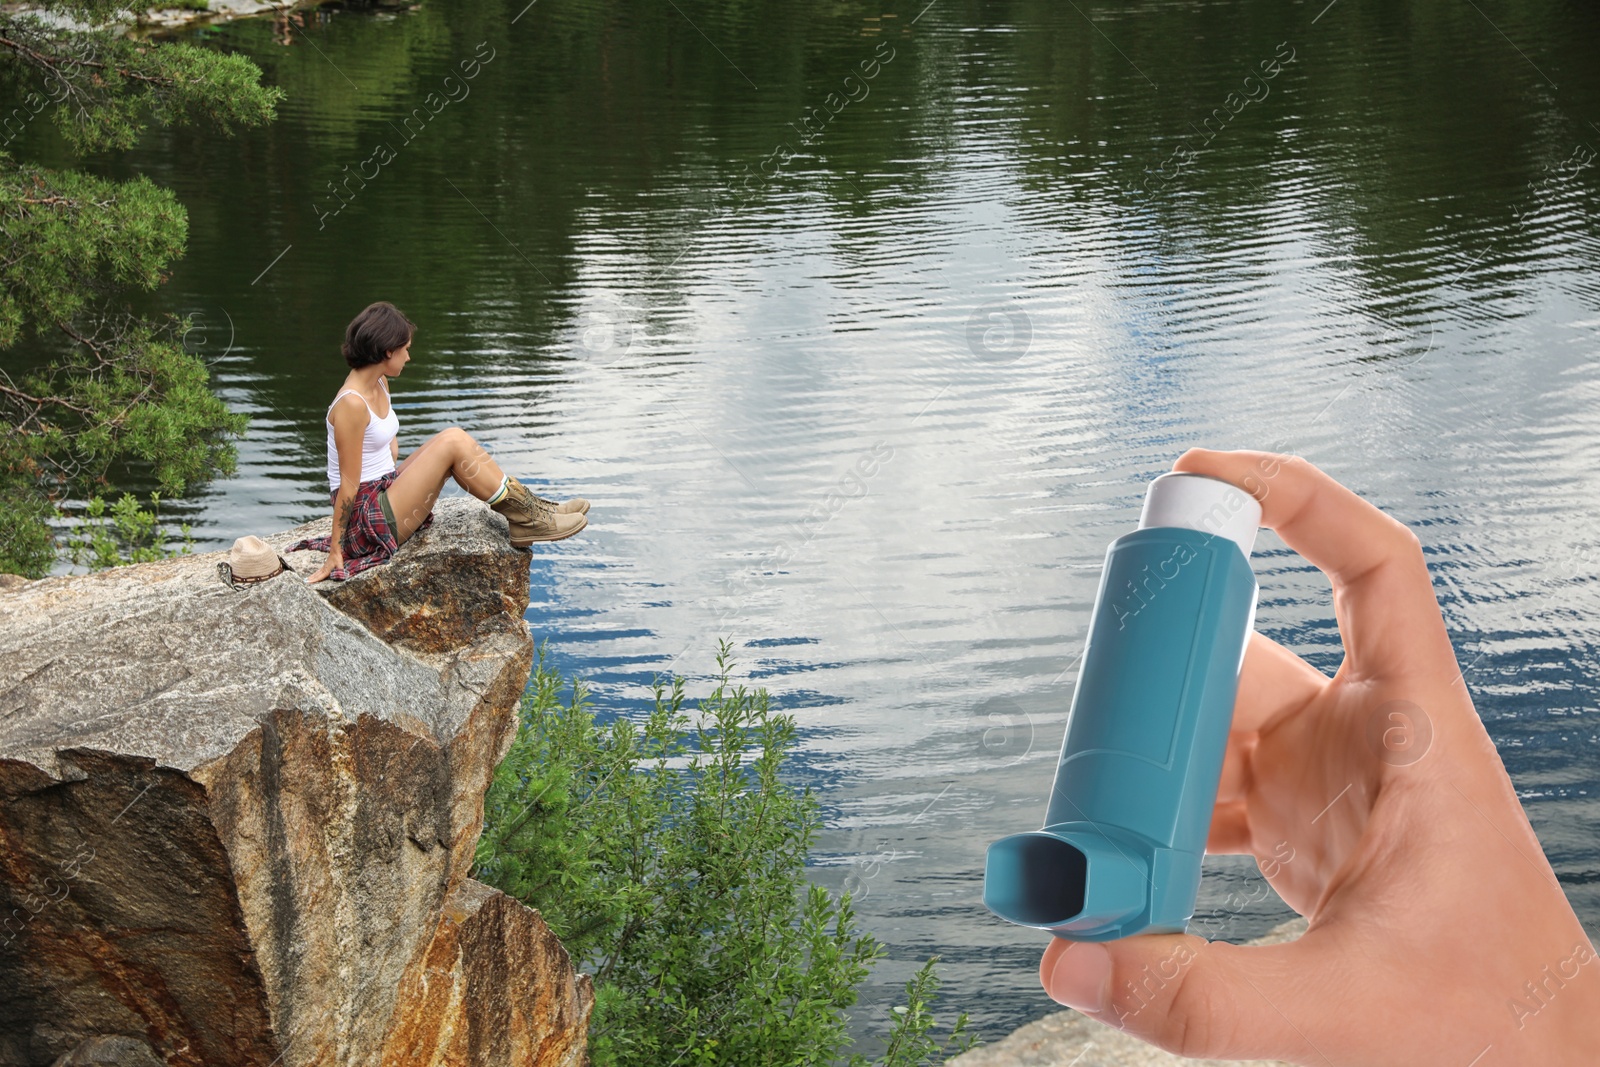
{"x":495,"y":497}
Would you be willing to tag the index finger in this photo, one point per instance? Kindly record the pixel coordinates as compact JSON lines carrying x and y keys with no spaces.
{"x":1389,"y":619}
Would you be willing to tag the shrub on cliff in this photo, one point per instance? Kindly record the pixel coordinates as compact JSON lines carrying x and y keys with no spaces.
{"x":102,"y":392}
{"x":670,"y":860}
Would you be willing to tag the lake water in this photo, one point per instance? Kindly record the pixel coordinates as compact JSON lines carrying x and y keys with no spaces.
{"x":864,"y":327}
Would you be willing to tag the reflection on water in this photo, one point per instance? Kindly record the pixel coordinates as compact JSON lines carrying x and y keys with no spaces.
{"x":863,"y":372}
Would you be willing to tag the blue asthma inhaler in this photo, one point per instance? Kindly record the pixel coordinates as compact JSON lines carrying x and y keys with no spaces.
{"x":1126,"y":826}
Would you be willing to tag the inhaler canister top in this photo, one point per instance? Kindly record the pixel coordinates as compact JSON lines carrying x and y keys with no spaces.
{"x":1200,"y":502}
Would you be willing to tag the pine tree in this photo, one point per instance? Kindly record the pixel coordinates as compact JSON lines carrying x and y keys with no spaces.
{"x":121,"y":392}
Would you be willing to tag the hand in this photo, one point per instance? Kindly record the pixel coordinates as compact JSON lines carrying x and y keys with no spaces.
{"x":335,"y":561}
{"x":1378,"y":808}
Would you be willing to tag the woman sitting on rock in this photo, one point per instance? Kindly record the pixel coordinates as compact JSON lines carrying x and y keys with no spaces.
{"x":378,"y":504}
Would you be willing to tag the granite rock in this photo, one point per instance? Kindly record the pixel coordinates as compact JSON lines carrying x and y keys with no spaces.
{"x":236,"y":824}
{"x":110,"y":1052}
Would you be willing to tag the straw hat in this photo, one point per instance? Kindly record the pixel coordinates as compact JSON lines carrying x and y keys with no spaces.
{"x":251,"y":560}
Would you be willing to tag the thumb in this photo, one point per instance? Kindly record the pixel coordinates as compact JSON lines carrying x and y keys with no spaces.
{"x":1193,"y":997}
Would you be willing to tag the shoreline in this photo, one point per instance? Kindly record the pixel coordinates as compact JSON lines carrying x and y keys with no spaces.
{"x":157,"y":19}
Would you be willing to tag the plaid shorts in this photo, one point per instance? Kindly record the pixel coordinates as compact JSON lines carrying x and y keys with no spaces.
{"x":369,"y":535}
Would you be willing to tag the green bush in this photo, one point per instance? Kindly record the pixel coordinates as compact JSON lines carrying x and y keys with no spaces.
{"x":122,"y":533}
{"x":669,"y":857}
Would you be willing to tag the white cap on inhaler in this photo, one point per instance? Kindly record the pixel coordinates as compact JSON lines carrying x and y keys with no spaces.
{"x":1200,"y":502}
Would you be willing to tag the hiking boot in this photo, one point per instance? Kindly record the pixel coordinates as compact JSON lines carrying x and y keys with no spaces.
{"x":533,"y":519}
{"x":576,"y":506}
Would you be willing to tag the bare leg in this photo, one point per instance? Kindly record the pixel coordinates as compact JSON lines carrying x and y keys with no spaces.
{"x":449,"y":453}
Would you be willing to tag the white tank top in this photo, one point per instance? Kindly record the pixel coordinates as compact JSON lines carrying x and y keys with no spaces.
{"x":375,"y":458}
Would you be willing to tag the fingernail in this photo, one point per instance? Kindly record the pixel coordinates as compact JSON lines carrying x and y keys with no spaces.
{"x":1082,"y":977}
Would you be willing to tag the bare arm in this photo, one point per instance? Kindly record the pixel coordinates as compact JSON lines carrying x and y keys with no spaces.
{"x":349,"y":417}
{"x":394,"y":443}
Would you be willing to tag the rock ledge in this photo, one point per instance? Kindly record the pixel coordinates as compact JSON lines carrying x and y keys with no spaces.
{"x":236,"y":824}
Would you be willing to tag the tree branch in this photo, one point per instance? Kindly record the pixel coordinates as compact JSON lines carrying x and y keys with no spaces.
{"x":49,"y":63}
{"x":40,"y":402}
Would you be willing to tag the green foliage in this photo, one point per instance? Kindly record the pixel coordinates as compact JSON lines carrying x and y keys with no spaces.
{"x":114,"y":393}
{"x":129,"y":393}
{"x":26,"y":544}
{"x":912,"y":1044}
{"x":123,"y":533}
{"x":68,"y":233}
{"x":104,"y":86}
{"x":669,"y":857}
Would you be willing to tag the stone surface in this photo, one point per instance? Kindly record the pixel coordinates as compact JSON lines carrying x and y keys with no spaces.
{"x":158,"y":17}
{"x":110,"y":1052}
{"x":1070,"y":1039}
{"x":214,"y":11}
{"x":236,"y":823}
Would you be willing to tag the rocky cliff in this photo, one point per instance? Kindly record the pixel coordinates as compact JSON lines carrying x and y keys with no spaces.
{"x":236,"y":823}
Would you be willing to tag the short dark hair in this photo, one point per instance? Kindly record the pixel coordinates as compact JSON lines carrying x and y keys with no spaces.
{"x":373,"y":334}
